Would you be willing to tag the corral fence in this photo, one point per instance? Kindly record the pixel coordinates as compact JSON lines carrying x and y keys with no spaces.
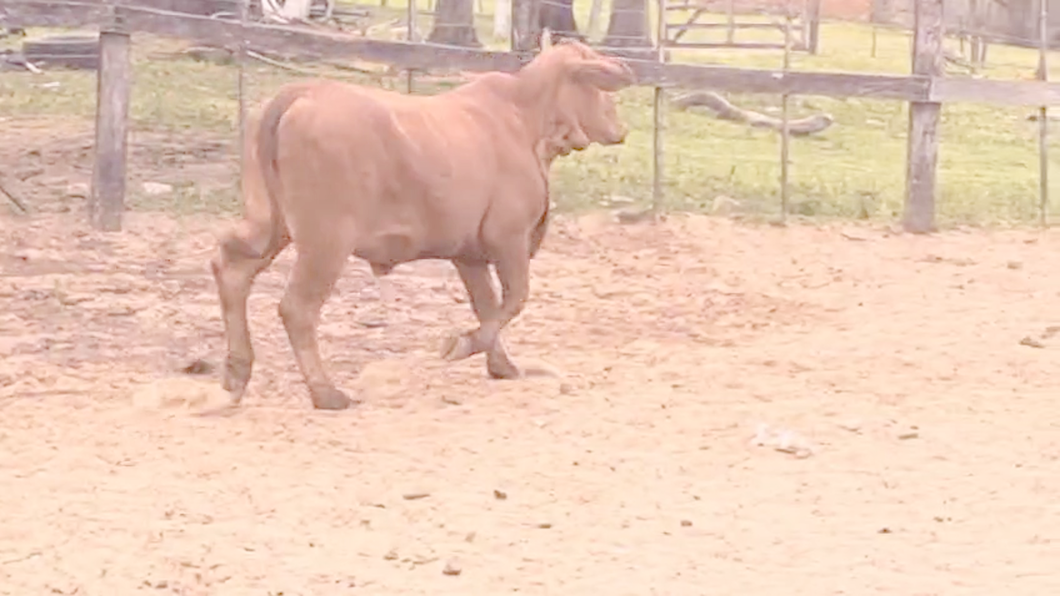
{"x":925,"y":89}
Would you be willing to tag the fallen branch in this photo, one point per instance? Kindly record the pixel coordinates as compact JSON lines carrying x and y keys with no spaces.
{"x":951,"y":57}
{"x":18,"y":60}
{"x":727,"y":111}
{"x":25,"y":557}
{"x":13,"y":199}
{"x":1051,"y":117}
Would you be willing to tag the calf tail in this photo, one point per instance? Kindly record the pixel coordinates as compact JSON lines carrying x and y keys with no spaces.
{"x":267,"y":146}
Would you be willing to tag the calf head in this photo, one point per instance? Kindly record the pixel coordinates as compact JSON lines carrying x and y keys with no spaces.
{"x":585,"y":107}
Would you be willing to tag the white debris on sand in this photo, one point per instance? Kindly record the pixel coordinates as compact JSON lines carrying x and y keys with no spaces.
{"x":783,"y":440}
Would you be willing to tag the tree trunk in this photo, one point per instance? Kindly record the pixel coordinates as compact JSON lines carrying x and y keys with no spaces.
{"x":1023,"y":20}
{"x":297,"y":9}
{"x":594,"y":18}
{"x":629,"y":25}
{"x":454,"y":24}
{"x":558,"y":16}
{"x":883,"y":11}
{"x":526,"y":27}
{"x":502,"y":19}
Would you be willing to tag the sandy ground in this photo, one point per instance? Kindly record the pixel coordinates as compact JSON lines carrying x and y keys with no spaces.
{"x":924,"y":434}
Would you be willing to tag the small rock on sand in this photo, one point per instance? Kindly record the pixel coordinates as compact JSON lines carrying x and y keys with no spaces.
{"x":77,"y":189}
{"x":155,"y":189}
{"x":383,"y":381}
{"x":724,"y":206}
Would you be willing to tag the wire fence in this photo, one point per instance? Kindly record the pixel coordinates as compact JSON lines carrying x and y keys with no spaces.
{"x":726,"y":154}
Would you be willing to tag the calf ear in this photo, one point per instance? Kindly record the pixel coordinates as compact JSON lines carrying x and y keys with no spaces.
{"x":606,"y":74}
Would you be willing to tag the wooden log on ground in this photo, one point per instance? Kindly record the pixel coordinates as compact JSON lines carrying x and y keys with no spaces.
{"x":725,"y":110}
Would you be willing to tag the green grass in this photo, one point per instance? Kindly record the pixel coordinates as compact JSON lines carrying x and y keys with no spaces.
{"x":988,"y":170}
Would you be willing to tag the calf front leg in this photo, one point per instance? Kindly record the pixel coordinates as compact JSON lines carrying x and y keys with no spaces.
{"x":477,"y":280}
{"x":513,"y":270}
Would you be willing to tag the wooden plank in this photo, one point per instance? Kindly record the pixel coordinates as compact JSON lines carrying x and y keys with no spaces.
{"x":27,"y":13}
{"x":692,"y":26}
{"x":281,"y":39}
{"x":1011,"y":93}
{"x":923,"y":148}
{"x":747,"y":45}
{"x":107,"y":199}
{"x":315,"y":44}
{"x":740,"y":80}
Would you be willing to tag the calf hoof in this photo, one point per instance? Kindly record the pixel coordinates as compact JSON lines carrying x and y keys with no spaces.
{"x":457,"y":347}
{"x":330,"y":398}
{"x":236,"y":377}
{"x":235,"y":397}
{"x":503,"y":369}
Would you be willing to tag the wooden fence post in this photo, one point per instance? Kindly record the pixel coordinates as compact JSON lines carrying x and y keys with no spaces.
{"x":1043,"y":116}
{"x":114,"y":80}
{"x":658,"y":120}
{"x":812,"y":20}
{"x":412,"y":35}
{"x":241,"y":90}
{"x":785,"y":124}
{"x":923,"y":144}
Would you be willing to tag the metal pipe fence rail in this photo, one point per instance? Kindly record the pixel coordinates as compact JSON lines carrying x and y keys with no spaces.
{"x":925,"y":89}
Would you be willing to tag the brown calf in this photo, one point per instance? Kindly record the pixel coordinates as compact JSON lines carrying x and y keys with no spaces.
{"x":338,"y":169}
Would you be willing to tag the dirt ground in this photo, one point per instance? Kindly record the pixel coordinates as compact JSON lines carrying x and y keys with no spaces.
{"x":916,"y":378}
{"x":47,"y":162}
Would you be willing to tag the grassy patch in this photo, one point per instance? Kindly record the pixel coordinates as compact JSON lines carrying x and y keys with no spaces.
{"x":988,"y":170}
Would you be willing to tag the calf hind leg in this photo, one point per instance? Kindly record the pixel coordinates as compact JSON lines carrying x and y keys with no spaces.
{"x":315,"y":272}
{"x":241,"y":256}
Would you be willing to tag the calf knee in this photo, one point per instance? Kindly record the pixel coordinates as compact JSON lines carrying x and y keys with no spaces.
{"x":235,"y":248}
{"x":230,"y":250}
